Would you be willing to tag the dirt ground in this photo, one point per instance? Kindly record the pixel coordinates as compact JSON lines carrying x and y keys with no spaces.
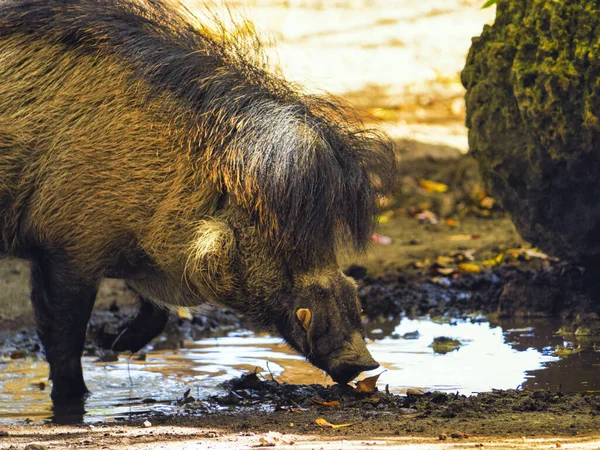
{"x":443,"y":248}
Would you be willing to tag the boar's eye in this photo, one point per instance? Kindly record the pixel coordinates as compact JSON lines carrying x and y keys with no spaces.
{"x":304,"y":316}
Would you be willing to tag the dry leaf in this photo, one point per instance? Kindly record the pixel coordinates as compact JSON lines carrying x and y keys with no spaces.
{"x":427,"y":217}
{"x":495,"y":261}
{"x":379,"y":239}
{"x":330,"y":404}
{"x":487,"y":202}
{"x":464,"y":237}
{"x":367,"y":386}
{"x":452,"y":223}
{"x":444,"y":260}
{"x":445,"y":270}
{"x":433,"y":186}
{"x":383,"y":219}
{"x":184,"y":313}
{"x":535,"y":253}
{"x":323,"y":423}
{"x":469,"y":268}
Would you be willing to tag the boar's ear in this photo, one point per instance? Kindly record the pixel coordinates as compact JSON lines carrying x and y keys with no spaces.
{"x":211,"y":254}
{"x":304,"y":316}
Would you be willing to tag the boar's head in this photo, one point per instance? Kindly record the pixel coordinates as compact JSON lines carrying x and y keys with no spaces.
{"x":315,"y":307}
{"x":323,"y":321}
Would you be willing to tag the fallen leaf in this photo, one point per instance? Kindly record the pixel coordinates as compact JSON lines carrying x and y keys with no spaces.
{"x":323,"y":423}
{"x":372,"y":400}
{"x":433,"y":186}
{"x":487,"y":202}
{"x":265,"y":442}
{"x":452,"y":223}
{"x":382,"y":240}
{"x":329,"y":404}
{"x":444,"y":260}
{"x":427,"y":217}
{"x":469,"y":268}
{"x":463,"y":255}
{"x":465,"y":237}
{"x":383,"y":219}
{"x":535,"y":253}
{"x":367,"y":386}
{"x":184,"y":313}
{"x":494,"y":261}
{"x":443,"y":270}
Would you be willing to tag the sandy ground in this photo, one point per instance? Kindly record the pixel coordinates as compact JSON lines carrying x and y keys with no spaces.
{"x":178,"y":438}
{"x":400,"y":59}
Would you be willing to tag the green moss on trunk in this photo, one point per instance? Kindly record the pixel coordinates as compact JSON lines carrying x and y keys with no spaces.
{"x":533,"y":113}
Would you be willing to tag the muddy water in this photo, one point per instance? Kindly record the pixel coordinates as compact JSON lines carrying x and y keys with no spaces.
{"x":491,"y":356}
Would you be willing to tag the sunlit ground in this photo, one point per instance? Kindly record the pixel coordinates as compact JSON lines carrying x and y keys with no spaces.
{"x":399,"y":60}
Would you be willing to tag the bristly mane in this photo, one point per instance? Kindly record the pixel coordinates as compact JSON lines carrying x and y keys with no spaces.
{"x":300,"y":165}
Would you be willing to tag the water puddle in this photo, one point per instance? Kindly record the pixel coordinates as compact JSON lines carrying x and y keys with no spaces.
{"x":502,"y":355}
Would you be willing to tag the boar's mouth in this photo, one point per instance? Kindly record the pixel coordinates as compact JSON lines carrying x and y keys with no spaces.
{"x":346,"y":371}
{"x":350,"y":362}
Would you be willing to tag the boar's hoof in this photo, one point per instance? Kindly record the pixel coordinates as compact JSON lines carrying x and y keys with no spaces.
{"x":347,"y":371}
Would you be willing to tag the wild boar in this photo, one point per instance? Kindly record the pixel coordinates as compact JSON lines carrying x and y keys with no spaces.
{"x":136,"y":142}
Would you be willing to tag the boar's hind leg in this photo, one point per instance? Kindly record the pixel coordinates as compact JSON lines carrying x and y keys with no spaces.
{"x":148,"y":323}
{"x":62,"y":303}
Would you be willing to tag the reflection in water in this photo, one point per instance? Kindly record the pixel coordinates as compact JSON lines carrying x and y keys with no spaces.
{"x":492,"y":356}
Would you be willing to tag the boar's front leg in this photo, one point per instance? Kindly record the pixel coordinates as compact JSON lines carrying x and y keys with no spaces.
{"x":62,"y":302}
{"x":148,"y":323}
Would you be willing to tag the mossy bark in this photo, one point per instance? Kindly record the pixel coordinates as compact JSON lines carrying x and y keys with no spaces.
{"x":533,"y":113}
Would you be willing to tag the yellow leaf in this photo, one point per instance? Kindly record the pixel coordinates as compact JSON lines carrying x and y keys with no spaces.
{"x":495,"y":261}
{"x":465,"y":237}
{"x":367,"y":386}
{"x":330,"y":404}
{"x":184,"y":313}
{"x":445,"y":270}
{"x":383,"y":219}
{"x":487,"y":202}
{"x":469,"y":268}
{"x":323,"y":423}
{"x":535,"y":253}
{"x":444,"y":260}
{"x":433,"y":186}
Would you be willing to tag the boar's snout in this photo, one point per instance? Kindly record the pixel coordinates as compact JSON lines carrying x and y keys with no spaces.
{"x":351,"y":361}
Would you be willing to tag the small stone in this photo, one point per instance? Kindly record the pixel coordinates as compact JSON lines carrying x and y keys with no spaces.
{"x":35,"y":447}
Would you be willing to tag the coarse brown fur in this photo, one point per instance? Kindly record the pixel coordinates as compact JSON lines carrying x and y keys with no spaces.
{"x":135,"y":141}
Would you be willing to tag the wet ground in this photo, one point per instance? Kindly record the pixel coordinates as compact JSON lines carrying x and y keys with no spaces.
{"x":523,"y":358}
